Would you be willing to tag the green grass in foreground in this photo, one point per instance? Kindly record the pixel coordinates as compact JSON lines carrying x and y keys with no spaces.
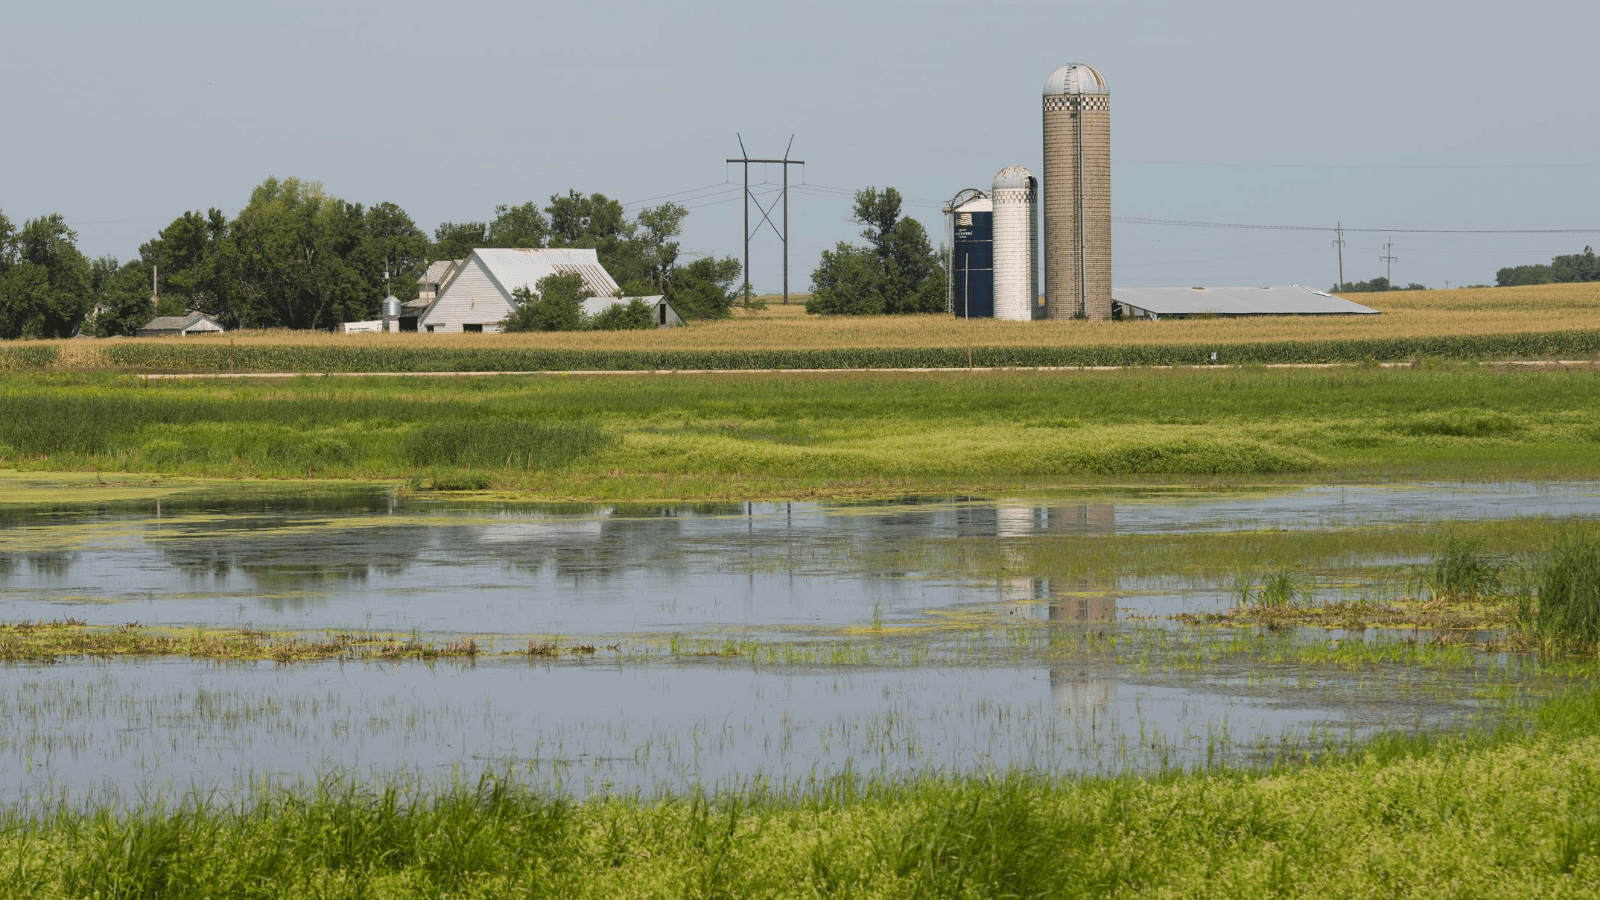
{"x":751,"y":436}
{"x":1513,"y":813}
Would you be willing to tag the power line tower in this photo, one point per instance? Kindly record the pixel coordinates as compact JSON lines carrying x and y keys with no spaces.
{"x":1339,"y":243}
{"x":766,"y":214}
{"x":1388,"y":259}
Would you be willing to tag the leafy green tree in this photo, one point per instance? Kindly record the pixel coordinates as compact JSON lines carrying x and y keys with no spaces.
{"x":658,"y":226}
{"x":1565,"y":269}
{"x":47,"y":285}
{"x":391,"y":242}
{"x":517,"y":226}
{"x":704,"y":288}
{"x":633,"y":315}
{"x":1574,"y":267}
{"x":1518,"y":275}
{"x":593,"y":220}
{"x":124,"y":299}
{"x":455,"y":240}
{"x":898,"y":272}
{"x":555,"y":304}
{"x":186,"y":256}
{"x":293,"y":266}
{"x":8,"y":244}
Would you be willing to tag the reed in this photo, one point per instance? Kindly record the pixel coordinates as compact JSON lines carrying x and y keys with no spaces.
{"x":1566,"y":612}
{"x":1463,"y":570}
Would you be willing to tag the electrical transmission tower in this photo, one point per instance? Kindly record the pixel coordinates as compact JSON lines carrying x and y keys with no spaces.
{"x":1388,"y":259}
{"x":766,"y":214}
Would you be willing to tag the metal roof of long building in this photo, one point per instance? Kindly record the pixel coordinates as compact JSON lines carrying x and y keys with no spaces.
{"x":523,"y":268}
{"x":1279,"y":300}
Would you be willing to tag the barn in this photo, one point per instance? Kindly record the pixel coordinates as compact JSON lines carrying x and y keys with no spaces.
{"x":478,"y":296}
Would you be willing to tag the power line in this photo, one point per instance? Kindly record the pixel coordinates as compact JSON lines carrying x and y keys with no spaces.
{"x":1142,"y":220}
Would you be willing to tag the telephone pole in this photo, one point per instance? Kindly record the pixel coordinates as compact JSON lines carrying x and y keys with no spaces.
{"x":1339,"y":243}
{"x":1388,"y":259}
{"x":766,"y":214}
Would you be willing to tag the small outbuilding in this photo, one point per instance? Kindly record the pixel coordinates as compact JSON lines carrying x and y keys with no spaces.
{"x":479,"y":295}
{"x":170,"y":326}
{"x":1230,"y":302}
{"x":661,"y":311}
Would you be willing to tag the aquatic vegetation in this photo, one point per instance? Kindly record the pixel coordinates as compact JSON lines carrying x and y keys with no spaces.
{"x":45,"y":642}
{"x":1463,"y":570}
{"x":743,"y":436}
{"x":1565,"y":614}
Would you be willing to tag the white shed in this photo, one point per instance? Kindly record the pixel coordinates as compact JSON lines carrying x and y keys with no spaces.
{"x":661,"y":311}
{"x":169,"y":326}
{"x":479,"y":296}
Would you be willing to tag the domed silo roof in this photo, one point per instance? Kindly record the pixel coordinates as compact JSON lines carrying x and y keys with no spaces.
{"x":1013,"y":177}
{"x":1075,"y":79}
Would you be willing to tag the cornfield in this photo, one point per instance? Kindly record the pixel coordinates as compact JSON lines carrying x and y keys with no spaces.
{"x":1544,"y":321}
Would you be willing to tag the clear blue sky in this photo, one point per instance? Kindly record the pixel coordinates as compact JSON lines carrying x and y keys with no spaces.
{"x":1420,"y":114}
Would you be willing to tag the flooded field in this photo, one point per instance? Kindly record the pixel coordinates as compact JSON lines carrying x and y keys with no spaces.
{"x":718,"y":645}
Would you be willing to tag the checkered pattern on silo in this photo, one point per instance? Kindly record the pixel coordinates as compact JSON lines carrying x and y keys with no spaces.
{"x":1077,"y":194}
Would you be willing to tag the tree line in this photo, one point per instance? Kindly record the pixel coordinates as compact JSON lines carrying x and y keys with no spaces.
{"x":298,"y":257}
{"x":1374,"y":286}
{"x":1566,"y":269}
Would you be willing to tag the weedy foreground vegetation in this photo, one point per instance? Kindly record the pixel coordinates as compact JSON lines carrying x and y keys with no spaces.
{"x":1508,"y":813}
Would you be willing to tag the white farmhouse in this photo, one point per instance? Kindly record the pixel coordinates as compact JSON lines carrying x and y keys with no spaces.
{"x":478,"y":296}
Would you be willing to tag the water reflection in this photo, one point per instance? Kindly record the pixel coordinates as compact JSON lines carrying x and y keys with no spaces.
{"x":1012,"y":520}
{"x":368,"y":558}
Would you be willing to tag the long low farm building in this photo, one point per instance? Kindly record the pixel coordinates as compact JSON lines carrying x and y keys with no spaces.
{"x":1229,"y":302}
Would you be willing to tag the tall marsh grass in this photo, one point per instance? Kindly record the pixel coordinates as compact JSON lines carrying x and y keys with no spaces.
{"x":1463,"y":570}
{"x":1566,"y":612}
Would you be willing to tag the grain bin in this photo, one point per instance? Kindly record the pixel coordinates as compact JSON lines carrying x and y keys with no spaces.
{"x":1077,"y":194}
{"x":1016,"y":244}
{"x":972,"y":256}
{"x":391,"y":313}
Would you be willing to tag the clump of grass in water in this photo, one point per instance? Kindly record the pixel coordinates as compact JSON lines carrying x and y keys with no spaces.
{"x":1566,"y":613}
{"x":1461,"y":570}
{"x":1279,"y":590}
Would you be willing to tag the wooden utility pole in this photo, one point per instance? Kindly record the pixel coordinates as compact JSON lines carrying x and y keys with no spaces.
{"x":1339,"y":243}
{"x":1388,"y":258}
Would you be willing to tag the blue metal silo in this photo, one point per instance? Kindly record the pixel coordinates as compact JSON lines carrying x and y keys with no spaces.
{"x":972,"y":258}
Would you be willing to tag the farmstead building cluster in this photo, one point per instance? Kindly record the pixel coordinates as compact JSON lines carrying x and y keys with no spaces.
{"x":996,"y":252}
{"x":476,"y":294}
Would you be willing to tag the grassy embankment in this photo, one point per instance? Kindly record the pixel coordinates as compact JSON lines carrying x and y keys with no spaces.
{"x":1547,"y":321}
{"x":1512,"y":813}
{"x":796,"y":435}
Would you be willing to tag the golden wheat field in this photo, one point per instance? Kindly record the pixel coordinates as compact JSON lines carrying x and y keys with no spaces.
{"x":1541,"y":308}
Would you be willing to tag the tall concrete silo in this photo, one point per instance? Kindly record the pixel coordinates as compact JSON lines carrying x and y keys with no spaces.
{"x":1077,"y":193}
{"x":1016,"y":244}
